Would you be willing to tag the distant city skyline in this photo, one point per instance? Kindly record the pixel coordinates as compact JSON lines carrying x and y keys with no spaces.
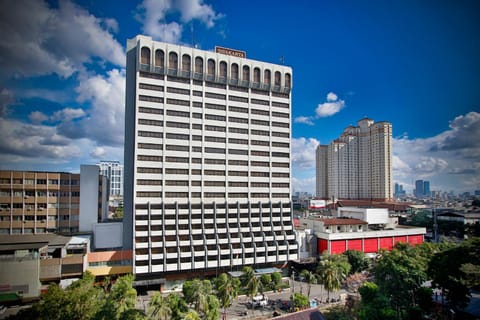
{"x":412,"y":63}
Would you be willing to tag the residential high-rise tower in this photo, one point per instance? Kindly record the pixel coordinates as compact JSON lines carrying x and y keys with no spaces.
{"x":207,"y":160}
{"x":357,"y":165}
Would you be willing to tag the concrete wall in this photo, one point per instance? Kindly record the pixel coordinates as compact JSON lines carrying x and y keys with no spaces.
{"x":108,"y":235}
{"x":88,"y":197}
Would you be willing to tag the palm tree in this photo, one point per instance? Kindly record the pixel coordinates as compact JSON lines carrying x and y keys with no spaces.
{"x":227,"y":291}
{"x":159,"y":308}
{"x":191,"y":315}
{"x":331,"y":275}
{"x":310,"y":278}
{"x":251,"y":282}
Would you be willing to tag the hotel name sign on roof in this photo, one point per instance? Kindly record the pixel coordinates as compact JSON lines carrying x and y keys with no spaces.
{"x":230,"y":52}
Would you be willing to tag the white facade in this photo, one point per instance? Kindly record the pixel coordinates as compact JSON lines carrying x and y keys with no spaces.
{"x":370,"y":215}
{"x":89,"y":197}
{"x":357,"y":165}
{"x":113,"y":170}
{"x":207,"y":159}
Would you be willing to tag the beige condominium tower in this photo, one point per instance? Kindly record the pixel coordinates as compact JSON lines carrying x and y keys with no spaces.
{"x":358,"y":164}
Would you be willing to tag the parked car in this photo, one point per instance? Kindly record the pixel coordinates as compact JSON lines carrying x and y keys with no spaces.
{"x":260,"y":301}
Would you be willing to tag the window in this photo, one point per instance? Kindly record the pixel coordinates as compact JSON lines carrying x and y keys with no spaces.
{"x":259,"y":112}
{"x":176,"y":171}
{"x":214,"y":128}
{"x":150,"y":110}
{"x":215,"y":139}
{"x":178,"y":90}
{"x":145,"y":55}
{"x":280,"y":114}
{"x":259,"y":122}
{"x":181,"y":125}
{"x":238,"y":151}
{"x":288,"y":80}
{"x":215,"y":117}
{"x":256,"y":75}
{"x":176,"y":148}
{"x":149,"y":182}
{"x":153,"y":87}
{"x":259,"y":143}
{"x":149,"y":158}
{"x":238,"y":99}
{"x":172,"y":60}
{"x":280,"y":124}
{"x":215,"y":106}
{"x":150,"y":134}
{"x":238,"y":130}
{"x":159,"y":58}
{"x":246,"y":73}
{"x":260,"y":132}
{"x":149,"y":170}
{"x":199,"y":65}
{"x":223,"y":69}
{"x":267,"y":77}
{"x":153,"y":146}
{"x":238,"y":162}
{"x":277,"y":78}
{"x":214,"y":150}
{"x":150,"y":98}
{"x":234,"y":71}
{"x":214,"y":161}
{"x":280,"y":104}
{"x":150,"y":122}
{"x":151,"y":75}
{"x":215,"y":96}
{"x":186,"y":63}
{"x":259,"y":153}
{"x":178,"y":102}
{"x":211,"y":67}
{"x":177,"y":136}
{"x":237,"y":141}
{"x":178,"y":113}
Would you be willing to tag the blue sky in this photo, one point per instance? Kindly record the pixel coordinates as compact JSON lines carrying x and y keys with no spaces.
{"x":413,"y":63}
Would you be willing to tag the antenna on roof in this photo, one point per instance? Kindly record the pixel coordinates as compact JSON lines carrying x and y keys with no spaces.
{"x":193,"y":38}
{"x":282,"y":60}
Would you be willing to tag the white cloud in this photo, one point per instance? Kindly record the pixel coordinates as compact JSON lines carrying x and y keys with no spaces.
{"x":104,"y":122}
{"x":332,"y":106}
{"x":37,"y":117}
{"x":305,"y":185}
{"x":305,"y":120}
{"x":304,"y":152}
{"x":450,"y":160}
{"x":153,"y":15}
{"x":332,"y":96}
{"x":98,"y":152}
{"x":6,"y":99}
{"x":40,"y":40}
{"x":67,"y":114}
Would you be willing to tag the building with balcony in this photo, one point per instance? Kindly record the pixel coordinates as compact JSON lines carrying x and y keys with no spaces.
{"x":207,"y":160}
{"x":113,"y":170}
{"x":36,"y":202}
{"x":358,"y":164}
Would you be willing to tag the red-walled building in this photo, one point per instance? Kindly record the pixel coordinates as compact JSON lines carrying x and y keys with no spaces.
{"x":336,"y":235}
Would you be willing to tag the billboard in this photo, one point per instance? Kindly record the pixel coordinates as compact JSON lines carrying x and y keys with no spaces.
{"x":317,"y":204}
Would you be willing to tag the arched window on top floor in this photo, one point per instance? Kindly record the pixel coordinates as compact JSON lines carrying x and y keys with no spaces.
{"x":159,"y":58}
{"x":173,"y":60}
{"x":278,"y":78}
{"x":288,"y":80}
{"x":234,"y":71}
{"x":211,"y":67}
{"x":256,"y":75}
{"x":186,"y":63}
{"x":267,"y":77}
{"x":145,"y":55}
{"x":199,"y":65}
{"x":223,"y":69}
{"x":246,"y":73}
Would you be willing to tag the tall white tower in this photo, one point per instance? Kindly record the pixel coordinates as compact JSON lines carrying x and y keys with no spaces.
{"x":207,"y":160}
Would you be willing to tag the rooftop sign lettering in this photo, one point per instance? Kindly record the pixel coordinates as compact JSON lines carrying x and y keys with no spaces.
{"x":231,"y":52}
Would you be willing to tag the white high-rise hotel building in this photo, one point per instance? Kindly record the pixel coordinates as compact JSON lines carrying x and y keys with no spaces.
{"x":113,"y":170}
{"x":207,"y":159}
{"x":357,"y":165}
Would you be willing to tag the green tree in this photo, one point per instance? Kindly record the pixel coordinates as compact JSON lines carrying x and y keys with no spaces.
{"x":199,"y":293}
{"x":357,"y":261}
{"x":375,"y":305}
{"x":456,"y":270}
{"x":177,"y":305}
{"x":300,"y":301}
{"x":251,"y":281}
{"x":159,"y":308}
{"x":227,"y":291}
{"x":276,"y":279}
{"x":191,"y":315}
{"x":310,"y":278}
{"x":332,"y":271}
{"x":266,"y":280}
{"x":400,"y":273}
{"x":119,"y":299}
